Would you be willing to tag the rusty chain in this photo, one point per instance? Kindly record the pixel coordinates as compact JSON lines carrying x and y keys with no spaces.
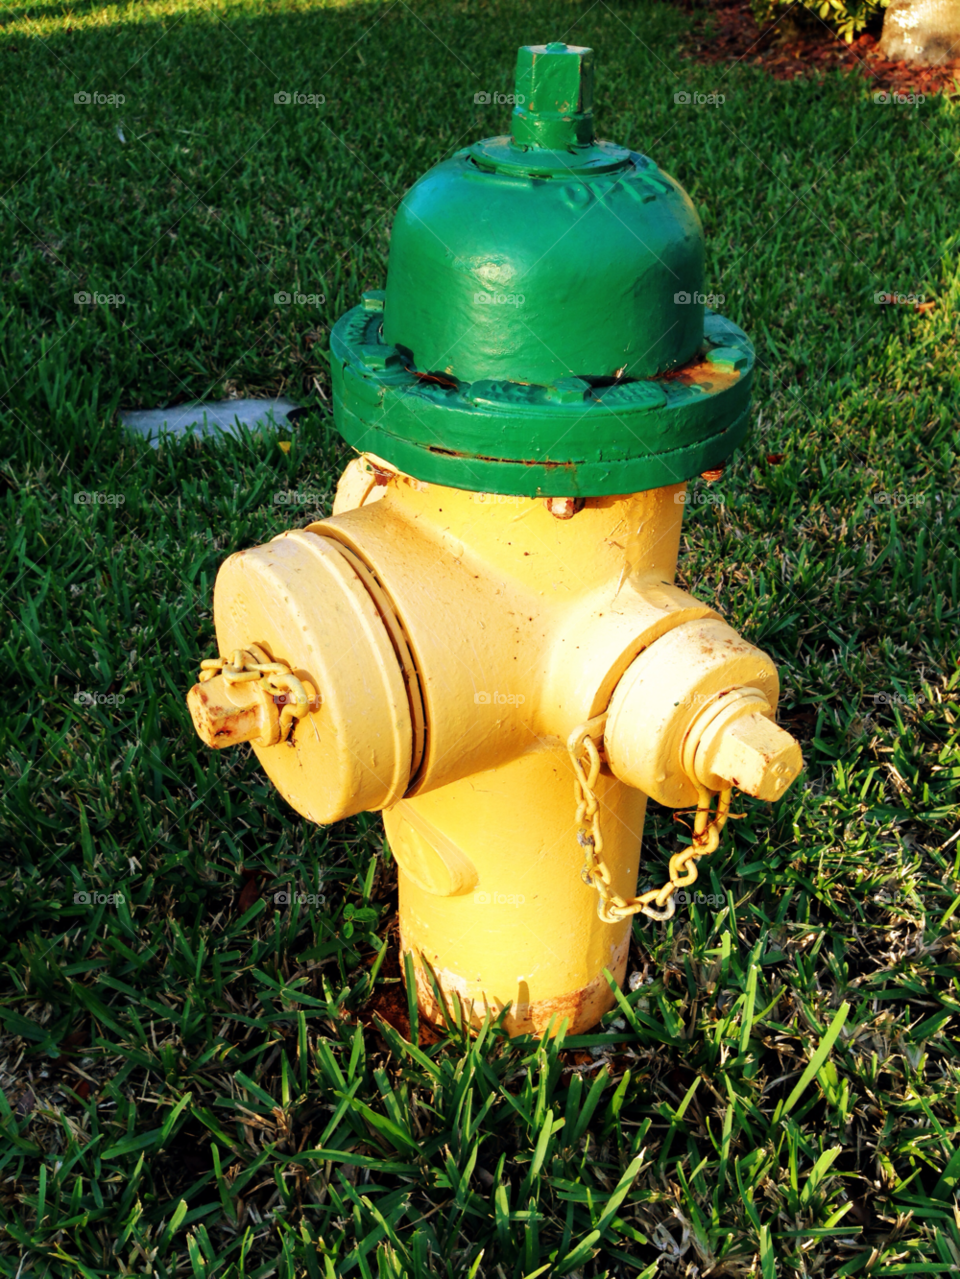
{"x":276,"y":685}
{"x":657,"y":903}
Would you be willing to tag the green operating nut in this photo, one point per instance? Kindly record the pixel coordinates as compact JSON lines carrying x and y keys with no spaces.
{"x":554,"y":92}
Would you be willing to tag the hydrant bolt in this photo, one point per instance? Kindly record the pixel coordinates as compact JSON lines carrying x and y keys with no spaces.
{"x":221,"y":722}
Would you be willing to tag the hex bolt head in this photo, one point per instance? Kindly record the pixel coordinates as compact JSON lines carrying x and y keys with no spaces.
{"x":219,"y":720}
{"x":563,"y":508}
{"x":752,"y":753}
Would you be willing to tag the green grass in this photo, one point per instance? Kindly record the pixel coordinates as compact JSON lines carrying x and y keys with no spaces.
{"x":196,"y":1083}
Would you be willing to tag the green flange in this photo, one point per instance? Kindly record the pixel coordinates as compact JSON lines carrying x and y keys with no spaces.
{"x":567,"y":439}
{"x":543,"y":329}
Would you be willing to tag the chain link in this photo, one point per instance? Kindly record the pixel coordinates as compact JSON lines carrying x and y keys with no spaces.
{"x":658,"y":903}
{"x":276,"y":686}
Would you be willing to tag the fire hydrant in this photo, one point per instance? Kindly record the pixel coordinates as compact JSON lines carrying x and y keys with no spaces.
{"x":484,"y":641}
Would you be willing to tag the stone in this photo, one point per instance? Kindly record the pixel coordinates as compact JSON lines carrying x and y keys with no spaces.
{"x":210,"y":419}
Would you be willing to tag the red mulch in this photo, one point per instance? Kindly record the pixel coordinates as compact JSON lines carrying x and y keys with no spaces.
{"x":727,"y":32}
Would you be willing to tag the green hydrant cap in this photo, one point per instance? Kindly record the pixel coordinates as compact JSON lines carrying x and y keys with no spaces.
{"x":543,"y":329}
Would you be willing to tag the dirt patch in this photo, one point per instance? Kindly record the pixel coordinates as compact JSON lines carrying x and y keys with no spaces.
{"x":727,"y":32}
{"x":389,"y":999}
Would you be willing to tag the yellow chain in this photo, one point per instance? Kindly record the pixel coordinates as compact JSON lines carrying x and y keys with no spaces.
{"x":596,"y":874}
{"x":275,"y":681}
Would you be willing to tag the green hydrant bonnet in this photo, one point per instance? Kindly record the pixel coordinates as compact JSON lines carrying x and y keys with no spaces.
{"x":543,"y":330}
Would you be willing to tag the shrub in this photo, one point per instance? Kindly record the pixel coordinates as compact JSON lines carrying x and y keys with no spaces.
{"x":847,"y":17}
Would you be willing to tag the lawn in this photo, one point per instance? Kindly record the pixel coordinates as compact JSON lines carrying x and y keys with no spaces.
{"x":198,"y":1081}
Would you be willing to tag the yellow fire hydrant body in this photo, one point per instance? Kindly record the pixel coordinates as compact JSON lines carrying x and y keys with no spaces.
{"x":442,"y":652}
